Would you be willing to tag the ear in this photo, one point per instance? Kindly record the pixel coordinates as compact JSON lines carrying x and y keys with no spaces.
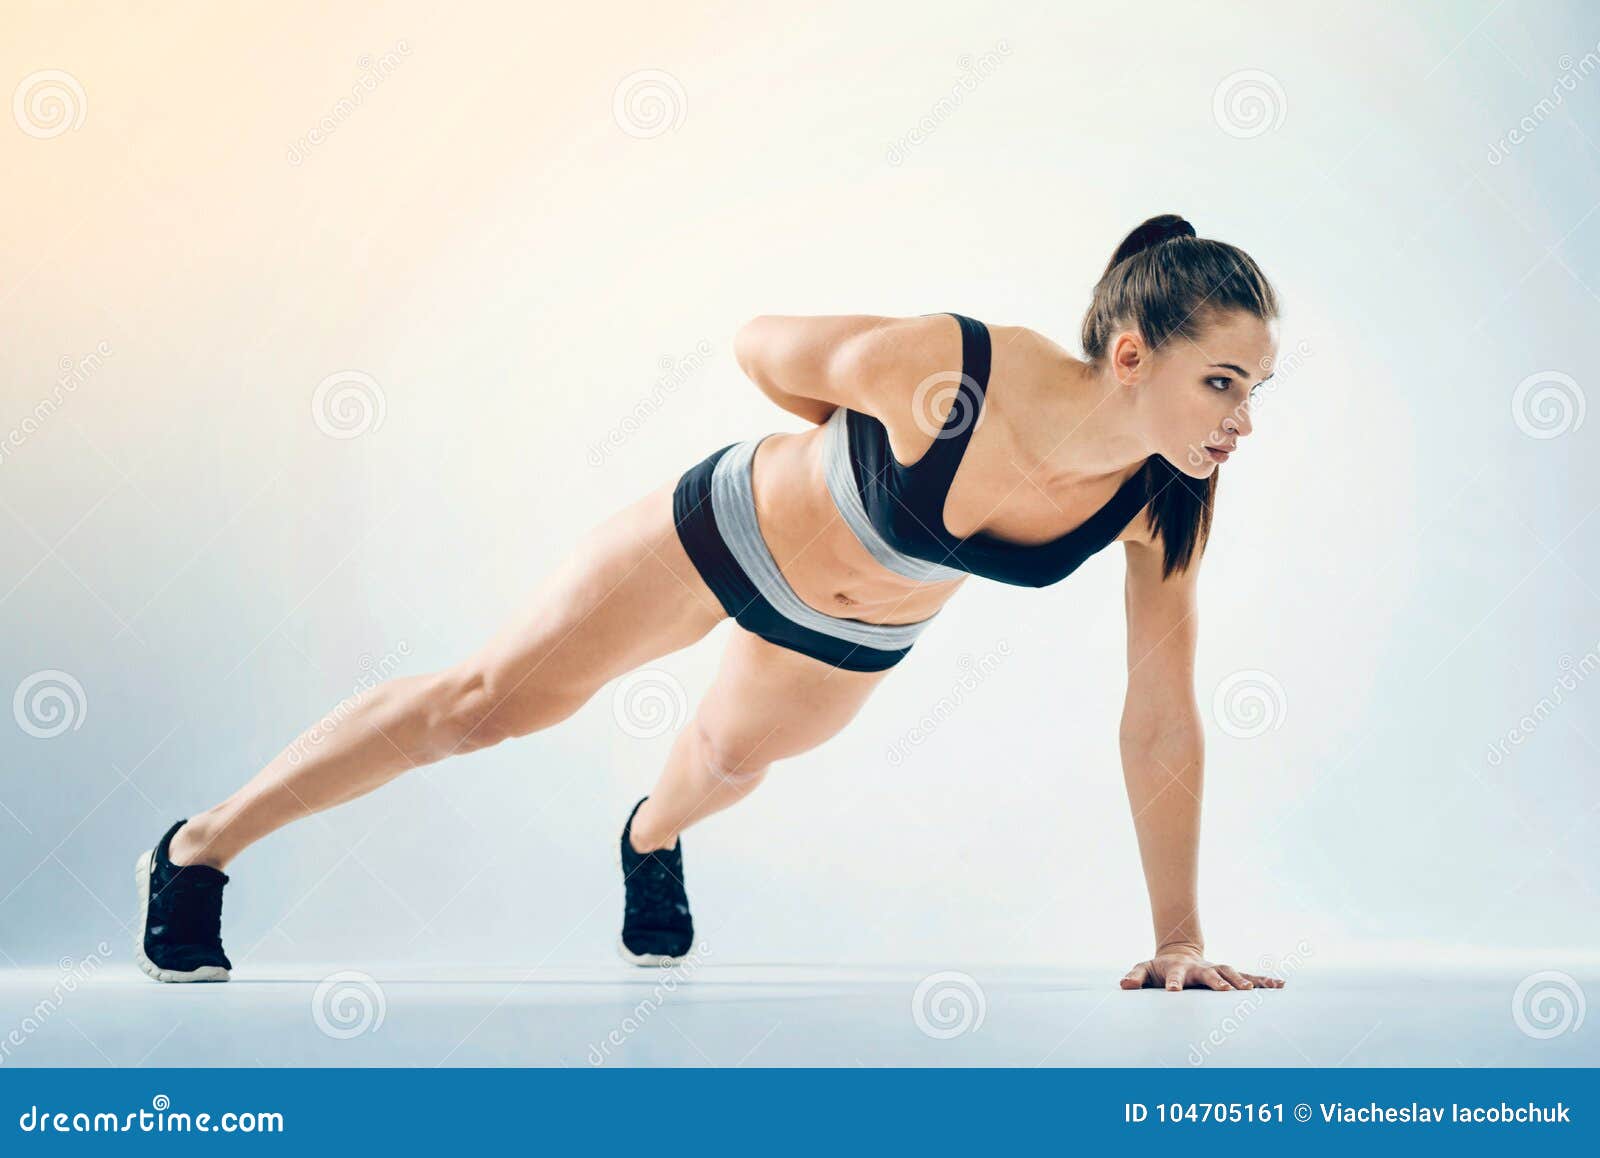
{"x":1128,"y":357}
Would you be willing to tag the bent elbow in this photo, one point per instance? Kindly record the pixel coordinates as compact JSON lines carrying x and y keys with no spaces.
{"x":747,"y":341}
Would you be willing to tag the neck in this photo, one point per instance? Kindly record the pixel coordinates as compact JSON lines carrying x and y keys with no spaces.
{"x":1094,"y":430}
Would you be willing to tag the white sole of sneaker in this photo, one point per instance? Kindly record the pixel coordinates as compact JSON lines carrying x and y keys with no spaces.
{"x":646,"y":959}
{"x":141,"y":876}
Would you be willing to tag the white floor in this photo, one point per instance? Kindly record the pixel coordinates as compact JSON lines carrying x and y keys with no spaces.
{"x":774,"y":1015}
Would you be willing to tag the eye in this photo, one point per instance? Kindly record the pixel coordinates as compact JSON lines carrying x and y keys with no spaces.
{"x":1227,"y":383}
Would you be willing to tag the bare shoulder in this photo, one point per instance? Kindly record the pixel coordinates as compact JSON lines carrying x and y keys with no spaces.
{"x":906,"y":370}
{"x":854,"y":360}
{"x":891,"y":358}
{"x":900,"y":372}
{"x":902,"y":353}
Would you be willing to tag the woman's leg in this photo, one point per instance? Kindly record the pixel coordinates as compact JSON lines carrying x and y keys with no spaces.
{"x":627,"y":594}
{"x":766,"y":703}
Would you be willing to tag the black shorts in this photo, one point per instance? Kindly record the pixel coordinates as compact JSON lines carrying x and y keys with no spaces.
{"x":752,"y":599}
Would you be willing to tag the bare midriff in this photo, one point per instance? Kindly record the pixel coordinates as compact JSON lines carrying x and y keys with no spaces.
{"x":815,"y":549}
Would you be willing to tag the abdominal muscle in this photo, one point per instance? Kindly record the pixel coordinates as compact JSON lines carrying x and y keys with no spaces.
{"x":815,"y":549}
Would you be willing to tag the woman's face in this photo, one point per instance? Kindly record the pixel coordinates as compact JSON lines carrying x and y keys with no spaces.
{"x":1197,"y":393}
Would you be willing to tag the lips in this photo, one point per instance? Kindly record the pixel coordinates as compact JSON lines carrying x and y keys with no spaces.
{"x":1219,"y":454}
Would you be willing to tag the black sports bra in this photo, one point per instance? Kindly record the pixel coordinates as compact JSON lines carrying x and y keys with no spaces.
{"x":905,"y":504}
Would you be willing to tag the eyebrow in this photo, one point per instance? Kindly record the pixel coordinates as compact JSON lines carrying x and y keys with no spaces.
{"x":1239,"y":370}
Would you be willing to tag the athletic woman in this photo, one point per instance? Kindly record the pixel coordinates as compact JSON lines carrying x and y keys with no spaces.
{"x":943,"y":448}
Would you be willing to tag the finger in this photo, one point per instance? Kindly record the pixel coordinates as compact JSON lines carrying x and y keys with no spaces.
{"x":1214,"y":979}
{"x":1235,"y":978}
{"x":1176,"y":977}
{"x":1135,"y":978}
{"x":1264,"y":981}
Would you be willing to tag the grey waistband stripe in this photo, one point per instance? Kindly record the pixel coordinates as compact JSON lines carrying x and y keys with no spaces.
{"x":734,"y":507}
{"x":847,"y":497}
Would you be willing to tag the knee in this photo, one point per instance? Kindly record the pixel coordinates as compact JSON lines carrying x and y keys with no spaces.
{"x":475,"y":707}
{"x":727,"y":756}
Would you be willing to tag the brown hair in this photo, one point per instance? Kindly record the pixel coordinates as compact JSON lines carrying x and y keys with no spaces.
{"x":1168,"y":283}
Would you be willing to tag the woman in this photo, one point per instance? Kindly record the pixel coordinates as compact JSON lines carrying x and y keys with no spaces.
{"x":1017,"y":466}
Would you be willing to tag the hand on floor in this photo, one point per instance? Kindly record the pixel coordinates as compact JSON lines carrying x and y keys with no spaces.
{"x":1189,"y":970}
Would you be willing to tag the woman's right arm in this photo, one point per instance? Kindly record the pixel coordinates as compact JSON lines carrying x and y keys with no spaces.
{"x":811,"y":365}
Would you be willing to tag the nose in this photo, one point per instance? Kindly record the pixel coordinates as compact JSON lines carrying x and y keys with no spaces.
{"x":1238,"y":422}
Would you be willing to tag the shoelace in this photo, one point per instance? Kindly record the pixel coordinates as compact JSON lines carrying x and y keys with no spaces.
{"x":194,"y":904}
{"x":658,"y":887}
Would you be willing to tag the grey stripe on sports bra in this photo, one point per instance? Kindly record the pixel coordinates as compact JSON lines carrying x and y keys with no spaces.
{"x":733,"y":505}
{"x":847,"y":497}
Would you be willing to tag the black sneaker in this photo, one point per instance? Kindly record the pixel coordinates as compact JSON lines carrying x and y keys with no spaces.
{"x":180,"y":917}
{"x":656,"y":926}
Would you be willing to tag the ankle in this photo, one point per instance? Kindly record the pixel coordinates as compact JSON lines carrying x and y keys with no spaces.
{"x":197,"y":842}
{"x":646,"y":835}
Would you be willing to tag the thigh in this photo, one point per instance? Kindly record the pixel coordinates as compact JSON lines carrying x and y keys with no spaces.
{"x":625,"y":594}
{"x":767,"y":702}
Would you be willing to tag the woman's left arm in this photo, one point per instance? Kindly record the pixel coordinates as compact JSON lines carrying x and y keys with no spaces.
{"x":1163,"y":760}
